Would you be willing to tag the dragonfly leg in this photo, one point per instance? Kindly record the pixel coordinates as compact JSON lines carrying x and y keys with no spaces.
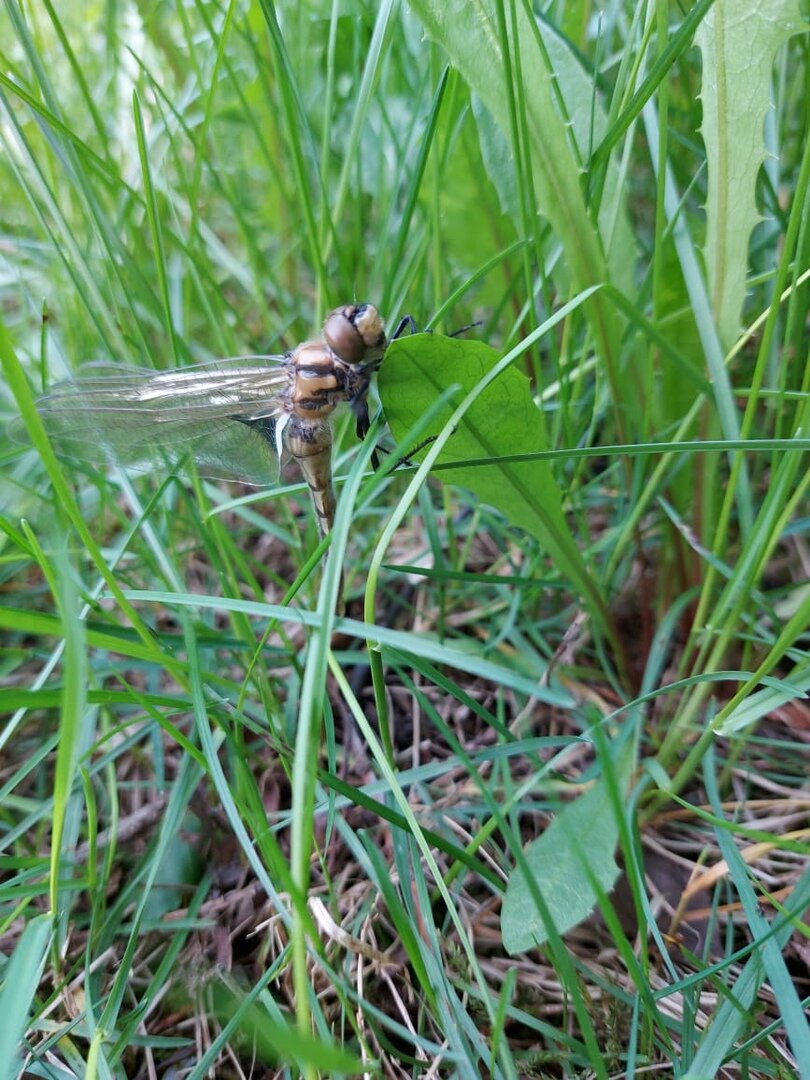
{"x":463,"y":329}
{"x":363,"y":423}
{"x":405,"y":323}
{"x":407,"y":459}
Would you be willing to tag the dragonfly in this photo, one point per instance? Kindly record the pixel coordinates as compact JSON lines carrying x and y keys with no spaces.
{"x":235,"y":418}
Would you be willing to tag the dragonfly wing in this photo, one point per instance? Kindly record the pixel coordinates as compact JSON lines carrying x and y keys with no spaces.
{"x":221,"y":416}
{"x":228,"y":449}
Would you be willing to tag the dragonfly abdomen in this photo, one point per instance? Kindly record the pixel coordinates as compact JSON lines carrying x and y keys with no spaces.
{"x":310,"y":443}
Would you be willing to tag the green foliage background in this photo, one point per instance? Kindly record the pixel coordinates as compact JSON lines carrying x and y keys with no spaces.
{"x":589,"y":588}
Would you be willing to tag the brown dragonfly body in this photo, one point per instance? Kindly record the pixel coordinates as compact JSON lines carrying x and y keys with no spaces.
{"x":233,"y":418}
{"x":322,"y":375}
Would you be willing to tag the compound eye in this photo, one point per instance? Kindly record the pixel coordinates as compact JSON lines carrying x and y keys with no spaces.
{"x":355,"y":333}
{"x":342,"y":337}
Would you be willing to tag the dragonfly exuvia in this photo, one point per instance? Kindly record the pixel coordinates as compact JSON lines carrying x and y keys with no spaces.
{"x":234,"y":418}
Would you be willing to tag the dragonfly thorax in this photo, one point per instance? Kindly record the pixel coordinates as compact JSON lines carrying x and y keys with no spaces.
{"x":320,"y":380}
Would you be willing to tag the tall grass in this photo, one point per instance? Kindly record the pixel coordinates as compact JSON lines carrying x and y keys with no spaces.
{"x":242,"y":832}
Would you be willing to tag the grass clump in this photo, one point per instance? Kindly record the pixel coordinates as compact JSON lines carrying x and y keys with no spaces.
{"x":536,"y":805}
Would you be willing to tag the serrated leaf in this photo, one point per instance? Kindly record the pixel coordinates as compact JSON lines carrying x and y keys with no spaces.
{"x":502,"y":421}
{"x":466,"y":184}
{"x":469,"y":35}
{"x":738,"y":40}
{"x":574,"y":852}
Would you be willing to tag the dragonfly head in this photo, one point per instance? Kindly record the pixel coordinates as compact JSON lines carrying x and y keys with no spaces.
{"x":355,"y":333}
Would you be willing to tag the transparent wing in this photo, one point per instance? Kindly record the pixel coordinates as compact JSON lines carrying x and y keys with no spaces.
{"x":222,"y":416}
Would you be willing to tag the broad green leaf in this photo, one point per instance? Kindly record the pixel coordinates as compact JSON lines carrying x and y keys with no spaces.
{"x":503,"y":421}
{"x":464,"y":184}
{"x":178,"y":870}
{"x":738,"y":40}
{"x":574,"y":852}
{"x":469,"y":36}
